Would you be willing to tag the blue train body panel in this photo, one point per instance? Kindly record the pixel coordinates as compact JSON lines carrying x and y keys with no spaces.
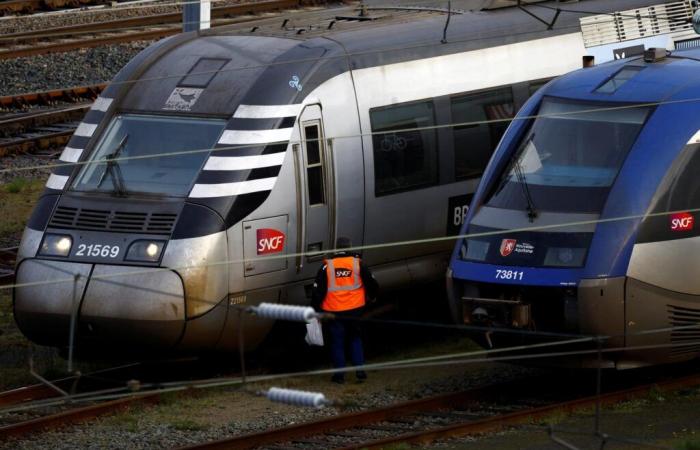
{"x":671,"y":89}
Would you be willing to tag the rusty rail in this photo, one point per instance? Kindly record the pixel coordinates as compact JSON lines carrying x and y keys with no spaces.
{"x":70,"y":94}
{"x":470,"y":427}
{"x":26,"y":394}
{"x":76,"y":415}
{"x":41,"y":130}
{"x":7,"y":268}
{"x":28,"y":6}
{"x":123,"y":30}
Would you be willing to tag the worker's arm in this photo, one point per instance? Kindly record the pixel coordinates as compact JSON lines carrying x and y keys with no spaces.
{"x":320,"y":288}
{"x":368,"y":281}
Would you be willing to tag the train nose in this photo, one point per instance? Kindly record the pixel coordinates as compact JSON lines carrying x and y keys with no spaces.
{"x":114,"y":304}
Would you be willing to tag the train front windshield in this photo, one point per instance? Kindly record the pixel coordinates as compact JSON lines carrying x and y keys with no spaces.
{"x":149,"y":154}
{"x":565,"y":164}
{"x":569,"y":158}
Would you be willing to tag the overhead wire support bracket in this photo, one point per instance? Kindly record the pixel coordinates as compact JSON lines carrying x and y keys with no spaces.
{"x":447,"y":23}
{"x":550,"y":25}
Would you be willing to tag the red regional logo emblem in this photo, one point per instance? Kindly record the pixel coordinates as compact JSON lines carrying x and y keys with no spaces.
{"x":507,"y":246}
{"x":269,"y":241}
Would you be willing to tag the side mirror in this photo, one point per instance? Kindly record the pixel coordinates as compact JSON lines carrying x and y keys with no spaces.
{"x":696,"y":21}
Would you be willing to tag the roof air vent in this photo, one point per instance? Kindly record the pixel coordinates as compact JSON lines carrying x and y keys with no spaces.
{"x":654,"y":54}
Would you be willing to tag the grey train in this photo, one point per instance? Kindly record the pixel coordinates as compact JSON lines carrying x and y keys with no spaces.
{"x":218,"y":164}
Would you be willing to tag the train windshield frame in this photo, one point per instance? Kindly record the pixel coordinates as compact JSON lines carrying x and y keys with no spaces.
{"x":149,"y":154}
{"x":569,"y":158}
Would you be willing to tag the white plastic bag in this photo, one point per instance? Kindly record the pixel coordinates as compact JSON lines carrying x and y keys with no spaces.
{"x":314,"y":334}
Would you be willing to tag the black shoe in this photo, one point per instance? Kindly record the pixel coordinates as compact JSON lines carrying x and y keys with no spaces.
{"x":361,"y":375}
{"x":338,"y":378}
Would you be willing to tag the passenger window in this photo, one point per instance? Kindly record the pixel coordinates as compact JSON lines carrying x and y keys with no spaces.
{"x":404,"y":160}
{"x":680,"y":189}
{"x":314,"y":165}
{"x":475,"y":143}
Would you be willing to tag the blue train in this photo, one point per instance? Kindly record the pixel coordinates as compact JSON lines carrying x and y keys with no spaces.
{"x":584,"y":221}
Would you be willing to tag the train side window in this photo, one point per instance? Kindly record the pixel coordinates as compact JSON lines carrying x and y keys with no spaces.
{"x":474,"y":143}
{"x":680,"y":189}
{"x":314,"y":164}
{"x":408,"y":159}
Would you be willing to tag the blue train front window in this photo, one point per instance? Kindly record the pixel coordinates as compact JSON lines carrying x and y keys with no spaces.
{"x":149,"y":154}
{"x":570,"y":157}
{"x":559,"y":178}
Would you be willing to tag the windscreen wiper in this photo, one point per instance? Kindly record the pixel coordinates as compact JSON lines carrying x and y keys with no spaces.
{"x":531,"y":211}
{"x":114,"y":169}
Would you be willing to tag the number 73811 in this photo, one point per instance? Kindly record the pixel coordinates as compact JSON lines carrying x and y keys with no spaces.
{"x":502,"y":274}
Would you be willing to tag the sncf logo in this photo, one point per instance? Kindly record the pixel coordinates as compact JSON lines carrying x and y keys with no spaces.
{"x":269,"y":241}
{"x":343,"y":273}
{"x":682,"y":221}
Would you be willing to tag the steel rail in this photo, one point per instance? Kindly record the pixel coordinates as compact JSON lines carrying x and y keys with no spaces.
{"x":39,"y":130}
{"x":45,"y":129}
{"x":347,"y":422}
{"x":7,"y":272}
{"x":26,"y":394}
{"x":47,"y":97}
{"x":76,"y":415}
{"x":41,"y":139}
{"x":19,"y":6}
{"x":65,"y":46}
{"x":119,"y":31}
{"x":156,"y":19}
{"x":28,"y":6}
{"x":39,"y":118}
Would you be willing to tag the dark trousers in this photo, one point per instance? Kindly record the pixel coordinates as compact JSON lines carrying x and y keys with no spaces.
{"x":344,"y":331}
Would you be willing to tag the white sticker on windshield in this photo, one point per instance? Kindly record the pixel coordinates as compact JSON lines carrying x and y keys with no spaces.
{"x":182,"y":99}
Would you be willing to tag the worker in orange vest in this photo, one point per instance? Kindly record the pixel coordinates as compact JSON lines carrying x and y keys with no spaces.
{"x":343,"y":285}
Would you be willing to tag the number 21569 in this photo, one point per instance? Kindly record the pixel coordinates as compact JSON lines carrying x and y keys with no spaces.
{"x":104,"y":251}
{"x":509,"y":274}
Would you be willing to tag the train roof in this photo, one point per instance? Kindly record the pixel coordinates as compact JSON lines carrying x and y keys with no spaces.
{"x":676,"y":76}
{"x":394,"y":33}
{"x":253,"y":61}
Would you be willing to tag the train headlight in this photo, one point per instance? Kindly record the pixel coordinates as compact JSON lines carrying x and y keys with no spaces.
{"x":145,"y":251}
{"x":56,"y":245}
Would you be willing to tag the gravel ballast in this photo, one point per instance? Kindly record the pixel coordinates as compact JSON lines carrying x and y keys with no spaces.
{"x":42,"y":21}
{"x":228,"y":413}
{"x":60,"y":70}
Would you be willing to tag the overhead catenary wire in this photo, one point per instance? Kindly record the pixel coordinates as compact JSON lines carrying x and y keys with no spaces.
{"x":146,"y":4}
{"x":625,"y":106}
{"x":377,"y":133}
{"x":149,"y":4}
{"x":498,"y":32}
{"x":170,"y":387}
{"x":142,"y":270}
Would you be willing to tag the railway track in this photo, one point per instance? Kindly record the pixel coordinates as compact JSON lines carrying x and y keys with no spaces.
{"x":62,"y":39}
{"x":39,"y":131}
{"x":7,"y":268}
{"x":43,"y":129}
{"x":76,"y":415}
{"x":423,"y":421}
{"x":48,"y":410}
{"x":71,"y":94}
{"x":30,"y":6}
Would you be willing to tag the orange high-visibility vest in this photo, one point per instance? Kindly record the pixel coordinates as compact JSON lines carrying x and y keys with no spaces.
{"x":345,"y":289}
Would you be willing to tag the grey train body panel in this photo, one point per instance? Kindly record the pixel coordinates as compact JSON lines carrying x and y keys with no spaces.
{"x":293,"y":169}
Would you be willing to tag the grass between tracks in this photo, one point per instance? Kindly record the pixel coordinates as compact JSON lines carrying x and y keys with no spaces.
{"x":17,"y":198}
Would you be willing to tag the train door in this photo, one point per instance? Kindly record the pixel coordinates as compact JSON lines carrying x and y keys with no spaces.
{"x":315,"y":170}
